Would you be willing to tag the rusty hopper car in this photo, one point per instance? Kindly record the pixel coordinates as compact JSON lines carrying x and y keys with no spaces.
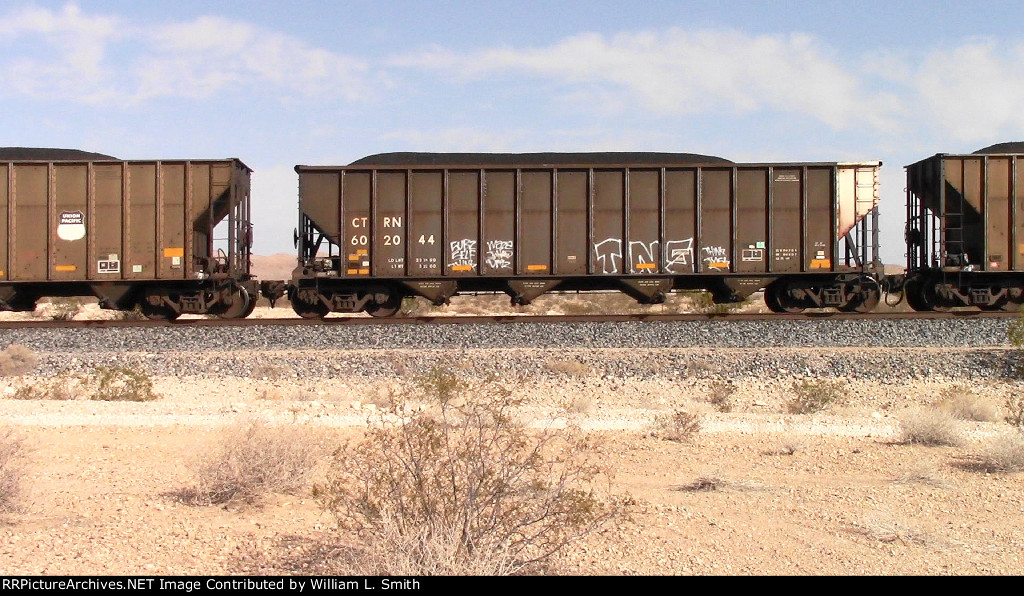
{"x":965,"y":231}
{"x":435,"y":225}
{"x":131,"y":233}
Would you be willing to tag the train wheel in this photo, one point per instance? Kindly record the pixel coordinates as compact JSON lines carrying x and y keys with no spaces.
{"x":776,"y":300}
{"x":381,"y":311}
{"x":772,"y":301}
{"x":861,"y":304}
{"x":158,"y":313}
{"x":310,"y":311}
{"x":1003,"y":305}
{"x":241,"y":305}
{"x":912,"y":292}
{"x":387,"y":309}
{"x":931,"y":297}
{"x":1009,"y":306}
{"x":865,"y":300}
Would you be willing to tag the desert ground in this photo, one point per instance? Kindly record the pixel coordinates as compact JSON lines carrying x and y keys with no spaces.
{"x":754,"y":489}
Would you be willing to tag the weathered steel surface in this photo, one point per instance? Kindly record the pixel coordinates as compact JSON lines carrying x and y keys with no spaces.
{"x":459,"y":220}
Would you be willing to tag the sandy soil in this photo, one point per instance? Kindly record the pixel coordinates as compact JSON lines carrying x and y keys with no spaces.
{"x":830,"y":493}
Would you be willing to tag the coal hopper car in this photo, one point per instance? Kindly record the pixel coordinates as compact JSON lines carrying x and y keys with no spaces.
{"x":165,"y":237}
{"x":436,"y":225}
{"x":965,"y":230}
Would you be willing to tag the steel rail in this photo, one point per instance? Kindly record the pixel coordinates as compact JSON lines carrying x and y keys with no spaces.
{"x":506,"y":319}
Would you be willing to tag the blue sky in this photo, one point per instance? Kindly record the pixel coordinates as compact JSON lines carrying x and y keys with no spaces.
{"x":278,"y":84}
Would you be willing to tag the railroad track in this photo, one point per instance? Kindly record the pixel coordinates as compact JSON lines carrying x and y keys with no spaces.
{"x":476,"y":320}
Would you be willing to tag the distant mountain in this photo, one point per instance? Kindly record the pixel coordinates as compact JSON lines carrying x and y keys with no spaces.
{"x":273,"y":267}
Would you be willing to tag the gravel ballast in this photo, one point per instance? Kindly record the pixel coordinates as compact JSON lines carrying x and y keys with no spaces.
{"x":955,"y":349}
{"x":724,"y":334}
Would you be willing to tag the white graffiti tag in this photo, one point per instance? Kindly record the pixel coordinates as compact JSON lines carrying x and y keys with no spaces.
{"x":679,"y":256}
{"x":643,"y":256}
{"x":499,"y":254}
{"x":609,"y":254}
{"x":716,"y":257}
{"x":463,"y":253}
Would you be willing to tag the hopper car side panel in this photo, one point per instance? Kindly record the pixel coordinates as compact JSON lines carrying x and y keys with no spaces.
{"x":132,"y":233}
{"x":965,"y":232}
{"x":371,"y":235}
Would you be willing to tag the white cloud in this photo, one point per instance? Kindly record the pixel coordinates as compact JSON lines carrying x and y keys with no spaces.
{"x":678,"y":72}
{"x":91,"y":59}
{"x":468,"y":139}
{"x":972,"y":92}
{"x":204,"y":56}
{"x":69,"y":60}
{"x":456,"y":139}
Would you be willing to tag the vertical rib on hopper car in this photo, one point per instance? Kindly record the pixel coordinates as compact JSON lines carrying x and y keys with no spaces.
{"x":372,"y":232}
{"x":132,"y":233}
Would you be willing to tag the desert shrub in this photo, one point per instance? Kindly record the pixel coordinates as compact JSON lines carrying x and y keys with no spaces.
{"x":63,"y":387}
{"x":700,"y":302}
{"x":1015,"y":332}
{"x":679,"y":426}
{"x":790,"y":443}
{"x":929,"y":426}
{"x":583,"y":404}
{"x":64,"y":308}
{"x":463,"y":487}
{"x":12,"y":451}
{"x":813,"y":396}
{"x":579,"y":307}
{"x":269,"y":371}
{"x":1015,"y":410}
{"x":135,"y":314}
{"x":715,"y":482}
{"x":961,"y":403}
{"x":121,"y":383}
{"x":1005,"y":453}
{"x":254,"y":460}
{"x":720,"y":396}
{"x":441,"y":385}
{"x":16,"y":360}
{"x":920,"y":472}
{"x":572,"y":368}
{"x":883,"y":528}
{"x":414,"y":306}
{"x":703,"y":484}
{"x":704,"y":303}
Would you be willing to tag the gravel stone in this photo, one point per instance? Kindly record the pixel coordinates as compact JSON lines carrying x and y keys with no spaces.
{"x":949,"y":348}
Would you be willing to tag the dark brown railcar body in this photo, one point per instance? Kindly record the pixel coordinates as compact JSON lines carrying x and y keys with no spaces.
{"x":132,"y":233}
{"x":965,"y":231}
{"x":371,"y":234}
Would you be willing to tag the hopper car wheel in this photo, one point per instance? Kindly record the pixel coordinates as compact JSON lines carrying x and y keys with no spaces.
{"x":912,"y":292}
{"x":1002,"y":305}
{"x":158,"y":313}
{"x":932,"y":298}
{"x":241,"y":306}
{"x":1009,"y":306}
{"x":309,"y":311}
{"x":866,"y":301}
{"x":387,"y":309}
{"x":776,"y":301}
{"x":382,"y":310}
